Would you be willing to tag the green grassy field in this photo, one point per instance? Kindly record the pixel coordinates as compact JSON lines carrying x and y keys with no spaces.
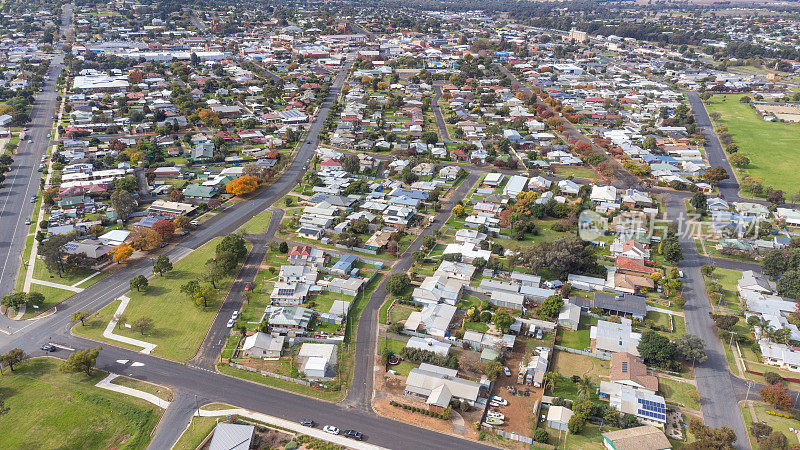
{"x":781,"y":424}
{"x":52,"y":297}
{"x":679,"y":393}
{"x":771,"y":146}
{"x":178,"y":325}
{"x":199,"y":428}
{"x":53,"y":410}
{"x":258,"y":224}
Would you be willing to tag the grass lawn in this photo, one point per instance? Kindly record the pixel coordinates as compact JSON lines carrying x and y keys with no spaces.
{"x":199,"y":428}
{"x":49,"y":409}
{"x":679,"y":393}
{"x":400,"y":313}
{"x":159,"y":391}
{"x":569,"y":364}
{"x":658,"y":319}
{"x":258,"y":224}
{"x":577,"y":172}
{"x":404,"y":368}
{"x":480,"y":327}
{"x":52,"y":297}
{"x":383,"y":312}
{"x":771,"y":146}
{"x":579,"y":340}
{"x":178,"y":325}
{"x":40,"y":272}
{"x":394,"y":345}
{"x":781,"y":424}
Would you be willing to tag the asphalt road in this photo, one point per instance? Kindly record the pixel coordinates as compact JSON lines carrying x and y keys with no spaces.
{"x":22,"y":182}
{"x":360,"y":393}
{"x":716,"y":154}
{"x":437,"y":112}
{"x":714,"y":380}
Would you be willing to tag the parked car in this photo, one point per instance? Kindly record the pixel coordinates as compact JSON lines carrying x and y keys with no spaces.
{"x":164,"y":244}
{"x":353,"y":434}
{"x":231,"y":322}
{"x":495,"y":415}
{"x":194,"y":223}
{"x":33,"y":199}
{"x":235,"y":315}
{"x":500,"y":400}
{"x":48,"y":347}
{"x":330,"y":429}
{"x":308,"y":423}
{"x":27,"y":221}
{"x":506,"y":371}
{"x":184,"y":233}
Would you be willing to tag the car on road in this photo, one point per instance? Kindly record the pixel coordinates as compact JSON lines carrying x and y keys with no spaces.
{"x":184,"y":232}
{"x":48,"y":347}
{"x":330,"y":429}
{"x":230,"y":323}
{"x":25,"y":129}
{"x":308,"y":423}
{"x":41,"y":168}
{"x":235,"y":315}
{"x":194,"y":223}
{"x":506,"y":371}
{"x":164,"y":244}
{"x":353,"y":434}
{"x":33,"y":199}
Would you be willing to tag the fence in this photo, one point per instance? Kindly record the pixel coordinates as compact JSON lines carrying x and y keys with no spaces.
{"x":357,"y":249}
{"x":269,"y":374}
{"x":513,"y":436}
{"x":582,"y":352}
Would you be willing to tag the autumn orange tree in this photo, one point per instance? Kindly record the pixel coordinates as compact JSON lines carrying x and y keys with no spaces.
{"x":165,"y":228}
{"x":145,"y":239}
{"x":121,"y":253}
{"x":242,"y":185}
{"x":209,"y":118}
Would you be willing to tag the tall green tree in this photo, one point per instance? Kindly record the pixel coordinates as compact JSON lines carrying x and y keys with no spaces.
{"x":162,"y":264}
{"x":13,"y":357}
{"x":81,"y":361}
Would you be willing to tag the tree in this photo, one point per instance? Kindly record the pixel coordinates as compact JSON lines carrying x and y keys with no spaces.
{"x":493,"y":369}
{"x":121,"y":319}
{"x":51,"y":250}
{"x":14,"y":356}
{"x":690,"y":347}
{"x":503,"y":321}
{"x":139,"y":282}
{"x":216,"y":269}
{"x":397,"y":283}
{"x":124,"y":204}
{"x":162,"y":264}
{"x":710,"y":438}
{"x":165,"y":229}
{"x":699,"y":202}
{"x":565,"y":255}
{"x":760,"y":430}
{"x":359,"y":226}
{"x":242,"y":185}
{"x":234,"y":244}
{"x":776,"y":395}
{"x":418,"y":257}
{"x":142,"y":325}
{"x":789,"y":284}
{"x":775,"y":441}
{"x":80,"y":316}
{"x":724,"y":321}
{"x":479,"y":263}
{"x":649,"y":143}
{"x":714,"y":175}
{"x":81,"y":361}
{"x":576,"y":424}
{"x":351,"y":164}
{"x":551,"y":307}
{"x":121,"y":253}
{"x":128,"y":183}
{"x":145,"y":239}
{"x":283,"y":247}
{"x":738,"y":160}
{"x":458,"y":211}
{"x":772,"y":377}
{"x":203,"y":295}
{"x":14,"y":300}
{"x":655,"y":348}
{"x":541,"y":435}
{"x":671,"y":249}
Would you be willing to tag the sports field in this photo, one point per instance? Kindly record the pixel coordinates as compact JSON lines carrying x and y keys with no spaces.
{"x":773,"y":148}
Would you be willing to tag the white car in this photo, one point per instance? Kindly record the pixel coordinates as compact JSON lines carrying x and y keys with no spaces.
{"x":231,"y":322}
{"x":235,"y":315}
{"x":500,"y":400}
{"x":495,"y":415}
{"x":506,"y":371}
{"x":194,"y":223}
{"x":330,"y":429}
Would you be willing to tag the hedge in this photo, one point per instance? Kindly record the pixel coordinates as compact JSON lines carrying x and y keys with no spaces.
{"x":423,"y":411}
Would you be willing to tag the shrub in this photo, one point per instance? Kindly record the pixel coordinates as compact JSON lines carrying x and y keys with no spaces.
{"x":541,"y":435}
{"x":772,"y":377}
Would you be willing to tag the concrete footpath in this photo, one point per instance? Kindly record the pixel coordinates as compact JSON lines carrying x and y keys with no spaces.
{"x":108,"y":333}
{"x":106,"y":383}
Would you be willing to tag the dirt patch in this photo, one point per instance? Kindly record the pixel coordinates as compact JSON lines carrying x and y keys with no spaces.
{"x":519,"y":414}
{"x":383,"y":408}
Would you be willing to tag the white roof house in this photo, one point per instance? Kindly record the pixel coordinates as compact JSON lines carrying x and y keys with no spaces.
{"x":317,"y":360}
{"x":436,"y":318}
{"x":752,"y":281}
{"x":515,"y":185}
{"x":570,"y":316}
{"x":263,"y":345}
{"x":610,"y":337}
{"x":438,"y":385}
{"x":114,"y":237}
{"x":428,"y":344}
{"x":602,"y":194}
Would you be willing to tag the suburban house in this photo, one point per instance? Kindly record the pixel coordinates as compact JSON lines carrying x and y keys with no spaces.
{"x":288,"y":319}
{"x":438,"y":289}
{"x":618,"y":305}
{"x":307,"y":255}
{"x":608,"y":338}
{"x":231,"y":436}
{"x":558,"y":417}
{"x":630,"y":371}
{"x":317,"y":360}
{"x":752,"y":281}
{"x":648,"y":408}
{"x":437,"y":386}
{"x":263,"y":345}
{"x":291,"y":293}
{"x":780,"y":355}
{"x":436,"y":318}
{"x":428,"y":344}
{"x":569,"y":316}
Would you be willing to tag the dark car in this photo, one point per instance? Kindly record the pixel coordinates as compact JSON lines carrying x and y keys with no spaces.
{"x":353,"y":434}
{"x":308,"y":423}
{"x":164,"y":244}
{"x":48,"y":347}
{"x":184,"y":233}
